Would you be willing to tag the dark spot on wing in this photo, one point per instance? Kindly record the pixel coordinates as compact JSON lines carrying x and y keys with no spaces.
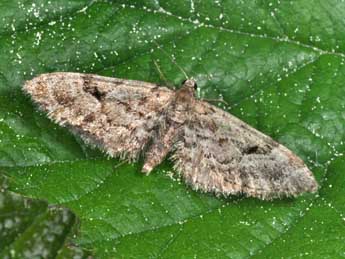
{"x":63,"y":98}
{"x":257,"y":149}
{"x":92,"y":89}
{"x":212,"y":126}
{"x":251,"y":150}
{"x":142,"y":100}
{"x":222,"y":141}
{"x":95,"y":92}
{"x":90,"y":117}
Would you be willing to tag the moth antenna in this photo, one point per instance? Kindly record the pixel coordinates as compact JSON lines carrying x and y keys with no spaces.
{"x":172,"y":60}
{"x":87,"y":6}
{"x":161,"y":74}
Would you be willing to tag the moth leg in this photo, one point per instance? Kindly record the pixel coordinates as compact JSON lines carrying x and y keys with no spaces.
{"x":220,"y":100}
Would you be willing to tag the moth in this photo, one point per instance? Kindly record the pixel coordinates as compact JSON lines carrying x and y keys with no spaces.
{"x":211,"y":149}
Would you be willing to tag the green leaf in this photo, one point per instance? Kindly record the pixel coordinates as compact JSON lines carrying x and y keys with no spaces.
{"x":29,"y":229}
{"x":280,"y":66}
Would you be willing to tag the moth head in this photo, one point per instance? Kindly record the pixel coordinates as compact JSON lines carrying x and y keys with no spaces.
{"x":190,"y":84}
{"x":187,"y":92}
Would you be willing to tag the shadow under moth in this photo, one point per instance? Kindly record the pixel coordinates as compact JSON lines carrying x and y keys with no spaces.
{"x":212,"y":150}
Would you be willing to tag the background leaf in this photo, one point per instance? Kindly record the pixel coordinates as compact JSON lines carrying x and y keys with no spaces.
{"x":280,"y":65}
{"x":29,"y":229}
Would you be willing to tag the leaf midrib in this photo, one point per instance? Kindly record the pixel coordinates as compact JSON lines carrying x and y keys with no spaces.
{"x":249,"y":34}
{"x":74,"y":12}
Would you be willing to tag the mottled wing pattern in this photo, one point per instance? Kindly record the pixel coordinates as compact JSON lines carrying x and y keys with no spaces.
{"x":120,"y":116}
{"x":220,"y":153}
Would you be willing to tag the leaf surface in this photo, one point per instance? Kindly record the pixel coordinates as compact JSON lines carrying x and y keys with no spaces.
{"x":279,"y":65}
